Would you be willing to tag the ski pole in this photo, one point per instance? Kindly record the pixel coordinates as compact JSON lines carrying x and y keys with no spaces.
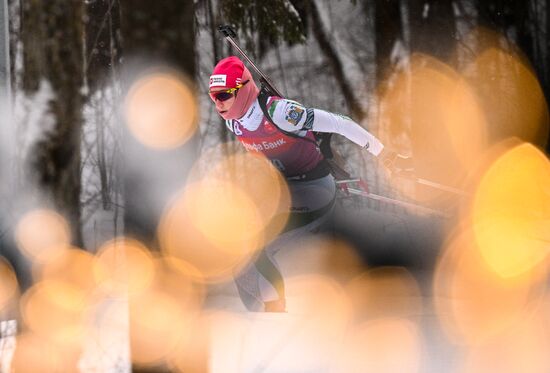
{"x":347,"y":181}
{"x":230,"y":36}
{"x":419,"y":180}
{"x":445,"y":188}
{"x":365,"y":193}
{"x":377,"y":197}
{"x":432,"y":184}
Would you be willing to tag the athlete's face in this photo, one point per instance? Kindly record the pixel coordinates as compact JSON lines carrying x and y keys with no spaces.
{"x":221,"y":106}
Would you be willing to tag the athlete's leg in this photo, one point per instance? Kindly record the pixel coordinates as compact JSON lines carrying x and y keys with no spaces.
{"x":260,"y":283}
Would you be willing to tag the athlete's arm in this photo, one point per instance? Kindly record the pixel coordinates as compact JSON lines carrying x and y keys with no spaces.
{"x":293,"y":117}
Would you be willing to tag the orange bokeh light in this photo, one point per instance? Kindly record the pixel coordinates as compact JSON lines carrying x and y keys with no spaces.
{"x":433,"y":106}
{"x":73,"y":266}
{"x":256,"y":177}
{"x":56,"y":310}
{"x":214,"y":226}
{"x":35,"y":353}
{"x":41,"y":233}
{"x":473,"y":302}
{"x":522,"y":347}
{"x":8,"y":283}
{"x":234,"y":204}
{"x":161,"y":110}
{"x":225,"y":215}
{"x":124,"y":267}
{"x":511,"y":211}
{"x":507,"y":88}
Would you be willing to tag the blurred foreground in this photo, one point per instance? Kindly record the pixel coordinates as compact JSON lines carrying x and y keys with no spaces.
{"x":388,"y":290}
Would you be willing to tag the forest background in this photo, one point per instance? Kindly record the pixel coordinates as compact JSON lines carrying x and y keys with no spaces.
{"x":389,"y":64}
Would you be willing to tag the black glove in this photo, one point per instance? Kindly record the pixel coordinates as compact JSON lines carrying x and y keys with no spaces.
{"x":396,"y":163}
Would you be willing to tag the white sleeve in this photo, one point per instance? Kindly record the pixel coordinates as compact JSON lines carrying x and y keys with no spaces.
{"x":323,"y":121}
{"x":293,"y":117}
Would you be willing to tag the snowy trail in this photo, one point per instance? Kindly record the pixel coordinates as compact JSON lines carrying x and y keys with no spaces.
{"x":310,"y":337}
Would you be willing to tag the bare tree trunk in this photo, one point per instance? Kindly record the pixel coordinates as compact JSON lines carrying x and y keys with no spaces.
{"x":330,"y":53}
{"x":52,"y":35}
{"x":388,"y":35}
{"x":213,"y":15}
{"x":388,"y":32}
{"x":433,"y":29}
{"x":101,"y":123}
{"x":102,"y":26}
{"x":162,"y":32}
{"x":213,"y":21}
{"x":102,"y":16}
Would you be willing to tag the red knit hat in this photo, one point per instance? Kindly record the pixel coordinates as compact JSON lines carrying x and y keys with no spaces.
{"x":229,"y":73}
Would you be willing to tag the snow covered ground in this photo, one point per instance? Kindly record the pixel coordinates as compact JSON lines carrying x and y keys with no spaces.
{"x":319,"y":333}
{"x":316,"y":334}
{"x":351,"y":308}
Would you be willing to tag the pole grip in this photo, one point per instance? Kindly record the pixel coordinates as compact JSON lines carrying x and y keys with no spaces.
{"x":227,"y":31}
